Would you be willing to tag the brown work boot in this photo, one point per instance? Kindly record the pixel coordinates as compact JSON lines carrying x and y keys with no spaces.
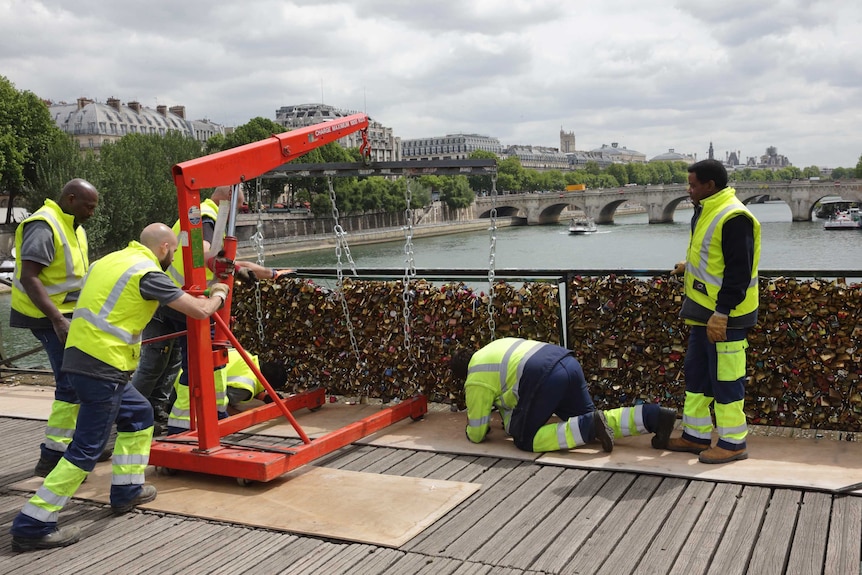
{"x":683,"y":444}
{"x":721,"y":455}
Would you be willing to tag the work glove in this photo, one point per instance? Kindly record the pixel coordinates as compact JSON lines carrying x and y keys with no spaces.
{"x":221,"y":266}
{"x":246,"y":275}
{"x":221,"y":290}
{"x":716,"y":327}
{"x":678,"y":269}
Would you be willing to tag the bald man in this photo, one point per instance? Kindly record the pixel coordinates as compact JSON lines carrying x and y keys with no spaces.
{"x":121,"y":293}
{"x":51,"y":259}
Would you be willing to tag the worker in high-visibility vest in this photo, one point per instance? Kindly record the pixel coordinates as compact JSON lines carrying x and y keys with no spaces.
{"x":528,"y":382}
{"x":720,"y":305}
{"x":162,"y":361}
{"x":51,"y":260}
{"x":120,"y":295}
{"x":240,"y":384}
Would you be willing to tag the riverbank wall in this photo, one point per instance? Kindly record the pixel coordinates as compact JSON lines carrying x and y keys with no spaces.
{"x":290,"y":233}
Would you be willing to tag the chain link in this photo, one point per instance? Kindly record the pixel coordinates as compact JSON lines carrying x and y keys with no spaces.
{"x":257,"y":242}
{"x":342,"y":247}
{"x":492,"y":324}
{"x":409,"y":267}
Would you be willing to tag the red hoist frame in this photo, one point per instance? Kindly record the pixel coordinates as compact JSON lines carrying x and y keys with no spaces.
{"x":202,"y":449}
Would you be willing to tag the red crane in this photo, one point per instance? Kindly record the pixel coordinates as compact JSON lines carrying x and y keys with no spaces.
{"x":202,"y":449}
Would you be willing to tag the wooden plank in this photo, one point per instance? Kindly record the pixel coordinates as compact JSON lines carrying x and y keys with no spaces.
{"x":484,"y":471}
{"x":770,"y":552}
{"x":179,"y":551}
{"x":812,"y":530}
{"x":539,"y":505}
{"x":376,"y":562}
{"x":845,"y":533}
{"x":490,"y":535}
{"x":705,"y":535}
{"x":733,"y":552}
{"x":584,"y":486}
{"x":582,"y":525}
{"x":590,"y":557}
{"x":662,"y":552}
{"x":643,"y":530}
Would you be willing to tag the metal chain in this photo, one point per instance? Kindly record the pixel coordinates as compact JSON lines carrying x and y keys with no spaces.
{"x":492,"y":325}
{"x":409,"y":266}
{"x":341,"y":246}
{"x":257,"y":242}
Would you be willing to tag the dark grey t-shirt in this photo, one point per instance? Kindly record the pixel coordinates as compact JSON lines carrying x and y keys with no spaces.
{"x":154,"y":286}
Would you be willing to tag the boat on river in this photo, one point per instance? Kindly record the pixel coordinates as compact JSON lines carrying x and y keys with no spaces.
{"x":579,"y":226}
{"x":844,"y":220}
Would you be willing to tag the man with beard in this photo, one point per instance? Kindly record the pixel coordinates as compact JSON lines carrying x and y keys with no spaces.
{"x":120,"y":295}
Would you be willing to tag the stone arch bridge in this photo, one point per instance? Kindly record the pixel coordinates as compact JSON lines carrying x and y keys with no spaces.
{"x":660,"y":201}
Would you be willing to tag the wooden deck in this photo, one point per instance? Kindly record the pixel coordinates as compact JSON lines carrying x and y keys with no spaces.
{"x":526,"y":519}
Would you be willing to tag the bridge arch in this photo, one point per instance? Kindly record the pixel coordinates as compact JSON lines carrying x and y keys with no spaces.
{"x":661,"y":201}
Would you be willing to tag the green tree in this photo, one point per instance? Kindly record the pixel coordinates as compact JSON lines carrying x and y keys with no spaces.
{"x":61,"y":162}
{"x":859,"y":168}
{"x":456,"y":192}
{"x":592,"y":168}
{"x":136,"y":186}
{"x":619,"y":173}
{"x":26,"y":132}
{"x":510,"y":175}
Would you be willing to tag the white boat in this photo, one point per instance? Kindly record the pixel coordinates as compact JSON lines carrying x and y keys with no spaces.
{"x":844,"y":220}
{"x":582,"y":226}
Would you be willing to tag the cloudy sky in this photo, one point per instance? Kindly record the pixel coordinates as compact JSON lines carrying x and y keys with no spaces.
{"x":648,"y":74}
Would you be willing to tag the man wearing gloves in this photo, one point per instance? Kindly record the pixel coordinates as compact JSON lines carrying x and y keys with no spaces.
{"x":120,"y":294}
{"x":528,"y":382}
{"x":721,"y":301}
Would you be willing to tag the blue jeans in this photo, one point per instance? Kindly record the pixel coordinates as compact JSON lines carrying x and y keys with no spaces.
{"x":563,"y":393}
{"x":63,"y":390}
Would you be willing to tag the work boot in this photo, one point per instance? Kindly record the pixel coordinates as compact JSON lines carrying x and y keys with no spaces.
{"x":721,"y":455}
{"x":683,"y":444}
{"x":58,"y":538}
{"x":604,"y":433}
{"x":666,"y":421}
{"x":147,"y":494}
{"x":45,"y":466}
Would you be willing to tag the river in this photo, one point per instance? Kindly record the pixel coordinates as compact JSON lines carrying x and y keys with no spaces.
{"x":630,"y":243}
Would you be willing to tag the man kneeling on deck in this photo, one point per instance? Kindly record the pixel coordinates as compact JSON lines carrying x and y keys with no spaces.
{"x":528,"y":381}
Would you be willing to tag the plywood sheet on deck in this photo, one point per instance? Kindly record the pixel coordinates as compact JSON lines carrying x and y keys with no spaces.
{"x":819,"y":464}
{"x":384,"y":510}
{"x":26,"y":401}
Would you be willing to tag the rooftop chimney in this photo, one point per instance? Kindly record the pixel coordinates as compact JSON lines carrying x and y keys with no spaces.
{"x":162,"y":109}
{"x":114,"y":103}
{"x":179,"y":111}
{"x":136,"y":106}
{"x":82,"y":102}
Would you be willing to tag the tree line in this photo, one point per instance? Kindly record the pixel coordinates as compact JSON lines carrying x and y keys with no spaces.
{"x":133,"y":174}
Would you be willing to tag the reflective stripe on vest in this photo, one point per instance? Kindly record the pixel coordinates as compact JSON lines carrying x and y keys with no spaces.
{"x":65,"y":274}
{"x":508,"y":391}
{"x":175,"y":271}
{"x":705,"y":260}
{"x":111,"y":312}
